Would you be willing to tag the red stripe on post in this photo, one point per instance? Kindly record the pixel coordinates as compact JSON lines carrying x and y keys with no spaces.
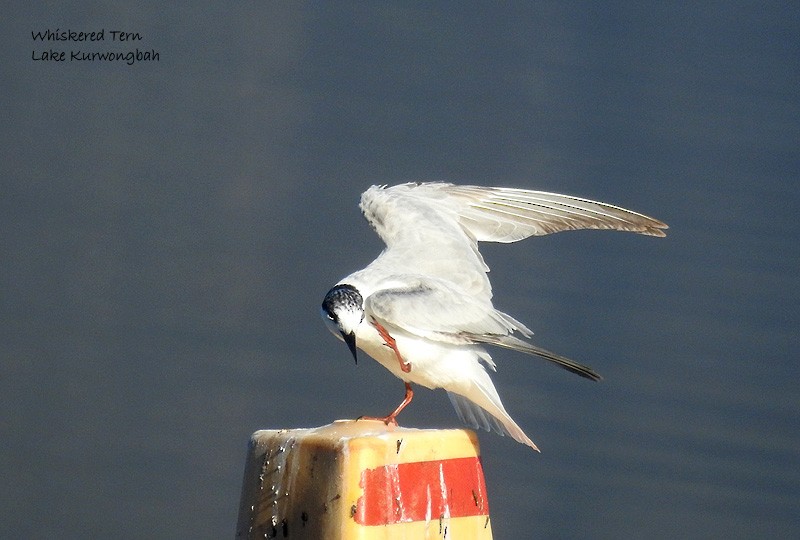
{"x":425,"y":490}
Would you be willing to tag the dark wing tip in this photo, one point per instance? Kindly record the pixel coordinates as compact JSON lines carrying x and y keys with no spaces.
{"x":510,"y":342}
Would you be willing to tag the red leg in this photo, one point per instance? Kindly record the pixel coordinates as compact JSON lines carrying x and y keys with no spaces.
{"x":392,"y":344}
{"x":392,"y":418}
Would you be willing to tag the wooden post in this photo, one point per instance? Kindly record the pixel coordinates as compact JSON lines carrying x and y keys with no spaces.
{"x":364,"y":480}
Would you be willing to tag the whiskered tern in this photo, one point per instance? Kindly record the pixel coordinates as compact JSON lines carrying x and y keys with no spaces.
{"x":423,"y":309}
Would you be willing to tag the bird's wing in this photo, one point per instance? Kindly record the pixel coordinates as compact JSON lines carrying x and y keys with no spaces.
{"x":507,"y":215}
{"x":493,"y":214}
{"x":423,"y":235}
{"x":434,"y":228}
{"x":510,"y":342}
{"x":434,"y":309}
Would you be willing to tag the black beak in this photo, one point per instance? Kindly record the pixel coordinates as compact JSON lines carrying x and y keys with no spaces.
{"x":350,"y":339}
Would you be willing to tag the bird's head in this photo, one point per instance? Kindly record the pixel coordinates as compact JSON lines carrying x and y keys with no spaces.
{"x":343,"y":311}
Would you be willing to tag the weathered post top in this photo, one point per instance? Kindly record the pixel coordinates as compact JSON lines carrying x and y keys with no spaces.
{"x":363,"y":480}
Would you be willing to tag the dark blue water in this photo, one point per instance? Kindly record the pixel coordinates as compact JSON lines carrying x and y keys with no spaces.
{"x":170,"y":228}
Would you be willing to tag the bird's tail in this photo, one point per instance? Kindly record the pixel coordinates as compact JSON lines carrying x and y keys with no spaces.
{"x":480,"y":407}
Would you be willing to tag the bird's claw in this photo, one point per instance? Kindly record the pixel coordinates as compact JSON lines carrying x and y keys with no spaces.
{"x":388,"y":420}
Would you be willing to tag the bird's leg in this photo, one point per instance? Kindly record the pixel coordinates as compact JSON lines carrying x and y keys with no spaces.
{"x":392,"y":344}
{"x":392,"y":418}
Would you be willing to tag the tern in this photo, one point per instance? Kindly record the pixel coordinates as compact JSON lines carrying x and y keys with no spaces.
{"x":423,"y":309}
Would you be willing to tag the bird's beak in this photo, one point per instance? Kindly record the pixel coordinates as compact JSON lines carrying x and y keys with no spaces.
{"x":350,"y":339}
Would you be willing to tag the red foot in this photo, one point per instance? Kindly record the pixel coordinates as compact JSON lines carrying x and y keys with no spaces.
{"x":392,"y":418}
{"x":392,"y":344}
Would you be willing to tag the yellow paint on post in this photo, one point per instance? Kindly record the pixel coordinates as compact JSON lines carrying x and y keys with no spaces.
{"x":364,"y":480}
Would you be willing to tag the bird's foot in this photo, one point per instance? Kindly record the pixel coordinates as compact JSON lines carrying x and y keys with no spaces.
{"x":391,"y":419}
{"x":390,"y":342}
{"x":388,"y":420}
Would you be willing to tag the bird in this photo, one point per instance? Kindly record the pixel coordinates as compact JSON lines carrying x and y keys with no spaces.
{"x":423,"y":308}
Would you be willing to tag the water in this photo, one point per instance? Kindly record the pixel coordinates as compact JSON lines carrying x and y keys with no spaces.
{"x":169,"y":230}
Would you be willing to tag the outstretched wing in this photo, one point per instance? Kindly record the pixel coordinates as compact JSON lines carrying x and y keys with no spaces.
{"x":434,"y":228}
{"x":494,"y":214}
{"x":507,"y":215}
